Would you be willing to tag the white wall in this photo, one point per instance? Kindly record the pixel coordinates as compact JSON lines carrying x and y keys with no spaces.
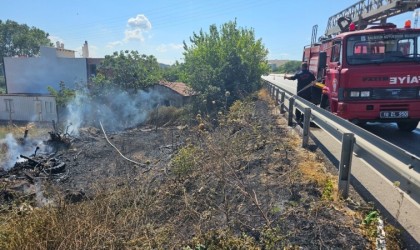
{"x":35,"y":74}
{"x":30,"y":108}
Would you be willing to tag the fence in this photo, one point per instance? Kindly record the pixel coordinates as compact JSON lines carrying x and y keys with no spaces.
{"x":373,"y":149}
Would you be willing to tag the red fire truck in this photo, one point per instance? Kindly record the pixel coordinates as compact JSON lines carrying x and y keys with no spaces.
{"x":368,"y":71}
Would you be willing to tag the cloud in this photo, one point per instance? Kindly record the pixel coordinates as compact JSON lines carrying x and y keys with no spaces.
{"x":139,"y":22}
{"x":137,"y":27}
{"x":114,"y":44}
{"x":165,"y":47}
{"x":136,"y":34}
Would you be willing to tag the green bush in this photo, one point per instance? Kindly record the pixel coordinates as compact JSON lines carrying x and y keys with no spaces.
{"x":185,"y":160}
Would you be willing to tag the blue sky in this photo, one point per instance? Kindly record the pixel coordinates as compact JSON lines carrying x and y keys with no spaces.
{"x":159,"y":27}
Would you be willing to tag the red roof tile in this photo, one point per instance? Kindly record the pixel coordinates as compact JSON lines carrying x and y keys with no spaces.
{"x":179,"y":87}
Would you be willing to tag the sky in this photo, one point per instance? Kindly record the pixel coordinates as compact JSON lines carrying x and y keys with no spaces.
{"x":159,"y":27}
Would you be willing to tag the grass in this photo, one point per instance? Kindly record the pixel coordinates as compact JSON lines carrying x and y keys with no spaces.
{"x":165,"y":116}
{"x":18,"y":131}
{"x":220,"y":189}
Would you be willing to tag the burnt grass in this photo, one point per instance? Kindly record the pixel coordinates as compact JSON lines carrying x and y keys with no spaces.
{"x":234,"y":182}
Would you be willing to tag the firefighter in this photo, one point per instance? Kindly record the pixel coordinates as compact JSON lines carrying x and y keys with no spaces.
{"x":304,"y":78}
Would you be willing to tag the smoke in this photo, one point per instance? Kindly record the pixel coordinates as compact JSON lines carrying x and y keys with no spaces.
{"x":14,"y":148}
{"x":41,"y":200}
{"x":117,"y":111}
{"x":12,"y":152}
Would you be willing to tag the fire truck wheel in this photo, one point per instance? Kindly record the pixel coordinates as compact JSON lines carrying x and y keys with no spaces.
{"x":407,"y":126}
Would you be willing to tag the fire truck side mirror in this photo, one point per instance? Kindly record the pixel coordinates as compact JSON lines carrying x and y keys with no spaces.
{"x":322,"y":60}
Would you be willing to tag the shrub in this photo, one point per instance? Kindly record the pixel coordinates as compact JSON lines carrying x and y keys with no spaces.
{"x":185,"y":160}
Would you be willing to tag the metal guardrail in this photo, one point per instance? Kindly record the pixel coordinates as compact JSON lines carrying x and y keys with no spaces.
{"x":368,"y":146}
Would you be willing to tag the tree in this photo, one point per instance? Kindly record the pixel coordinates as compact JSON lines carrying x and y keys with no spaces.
{"x":290,"y":67}
{"x":225,"y":65}
{"x":175,"y":73}
{"x":128,"y":70}
{"x":20,"y":39}
{"x":63,"y":96}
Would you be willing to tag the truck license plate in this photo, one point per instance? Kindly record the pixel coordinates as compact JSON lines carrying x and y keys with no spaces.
{"x":394,"y":114}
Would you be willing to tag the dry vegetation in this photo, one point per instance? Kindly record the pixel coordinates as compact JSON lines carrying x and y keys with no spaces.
{"x":243,"y":184}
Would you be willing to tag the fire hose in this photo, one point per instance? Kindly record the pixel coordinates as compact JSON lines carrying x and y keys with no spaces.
{"x":119,"y":152}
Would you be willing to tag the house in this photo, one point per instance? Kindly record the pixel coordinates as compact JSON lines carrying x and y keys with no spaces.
{"x":175,"y":94}
{"x":27,"y":107}
{"x":33,"y":75}
{"x":28,"y":79}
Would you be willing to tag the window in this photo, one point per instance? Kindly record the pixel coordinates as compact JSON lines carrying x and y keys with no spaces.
{"x":336,"y":52}
{"x":383,"y":48}
{"x":406,"y":47}
{"x":369,"y":48}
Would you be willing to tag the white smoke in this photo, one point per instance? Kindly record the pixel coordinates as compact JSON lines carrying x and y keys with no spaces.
{"x":41,"y":200}
{"x":12,"y":151}
{"x":15,"y":148}
{"x":117,"y":111}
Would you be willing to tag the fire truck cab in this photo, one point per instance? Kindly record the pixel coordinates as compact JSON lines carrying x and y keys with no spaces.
{"x":370,"y":74}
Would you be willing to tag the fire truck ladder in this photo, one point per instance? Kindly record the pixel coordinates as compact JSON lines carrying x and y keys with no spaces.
{"x":367,"y":12}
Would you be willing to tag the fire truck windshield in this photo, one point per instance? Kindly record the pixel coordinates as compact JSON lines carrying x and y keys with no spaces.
{"x":383,"y":48}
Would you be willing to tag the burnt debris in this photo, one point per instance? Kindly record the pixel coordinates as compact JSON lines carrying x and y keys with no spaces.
{"x":41,"y":162}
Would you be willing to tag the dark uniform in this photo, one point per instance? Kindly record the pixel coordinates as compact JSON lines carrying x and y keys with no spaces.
{"x":303,"y":77}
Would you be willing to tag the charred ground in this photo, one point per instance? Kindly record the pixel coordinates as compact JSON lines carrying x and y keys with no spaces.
{"x":241,"y":181}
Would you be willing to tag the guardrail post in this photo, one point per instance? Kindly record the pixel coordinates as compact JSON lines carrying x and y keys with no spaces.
{"x":345,"y":164}
{"x":277,"y":96}
{"x":283,"y":94}
{"x":306,"y":123}
{"x":291,"y":104}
